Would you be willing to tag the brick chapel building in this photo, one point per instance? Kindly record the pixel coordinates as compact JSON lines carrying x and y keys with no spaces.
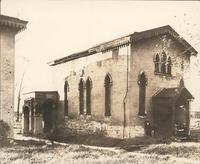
{"x":9,"y":27}
{"x":127,"y":87}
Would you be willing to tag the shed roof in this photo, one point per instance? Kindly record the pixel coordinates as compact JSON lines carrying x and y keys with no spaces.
{"x":126,"y":40}
{"x":173,"y":93}
{"x":40,"y":92}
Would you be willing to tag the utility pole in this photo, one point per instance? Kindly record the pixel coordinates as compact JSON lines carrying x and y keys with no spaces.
{"x":19,"y":96}
{"x":20,"y":88}
{"x":0,"y":7}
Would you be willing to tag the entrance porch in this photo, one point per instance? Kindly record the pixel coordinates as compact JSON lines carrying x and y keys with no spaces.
{"x":171,"y":112}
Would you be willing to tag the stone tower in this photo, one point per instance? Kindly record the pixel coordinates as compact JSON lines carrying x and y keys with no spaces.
{"x":9,"y":27}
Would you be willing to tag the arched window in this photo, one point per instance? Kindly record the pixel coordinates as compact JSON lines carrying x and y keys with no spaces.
{"x":163,"y":62}
{"x":108,"y":84}
{"x":88,"y":96}
{"x":169,"y":66}
{"x":157,"y":63}
{"x":181,"y":83}
{"x":81,"y":96}
{"x":142,"y":82}
{"x":66,"y":89}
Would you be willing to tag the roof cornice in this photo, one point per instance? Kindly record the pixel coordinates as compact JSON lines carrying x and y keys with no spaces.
{"x":12,"y":22}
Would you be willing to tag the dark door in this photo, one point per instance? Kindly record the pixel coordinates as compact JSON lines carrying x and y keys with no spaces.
{"x":163,"y":119}
{"x":47,"y":115}
{"x":181,"y":117}
{"x":26,"y":119}
{"x":30,"y":104}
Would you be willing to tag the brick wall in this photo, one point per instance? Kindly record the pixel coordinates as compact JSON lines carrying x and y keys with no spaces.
{"x":85,"y":125}
{"x":98,"y":65}
{"x":142,"y":55}
{"x":7,"y":48}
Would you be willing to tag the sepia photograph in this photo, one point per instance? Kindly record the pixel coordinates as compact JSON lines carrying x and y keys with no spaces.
{"x":99,"y":82}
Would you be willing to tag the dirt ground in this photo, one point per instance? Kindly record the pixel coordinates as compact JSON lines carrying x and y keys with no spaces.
{"x":29,"y":151}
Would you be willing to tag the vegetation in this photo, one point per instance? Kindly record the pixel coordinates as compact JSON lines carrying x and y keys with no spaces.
{"x":4,"y":133}
{"x":39,"y":152}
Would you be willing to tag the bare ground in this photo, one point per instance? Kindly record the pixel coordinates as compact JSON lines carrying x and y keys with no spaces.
{"x":30,"y":151}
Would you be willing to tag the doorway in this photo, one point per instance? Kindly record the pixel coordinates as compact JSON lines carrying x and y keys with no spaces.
{"x":26,"y":119}
{"x":48,"y":106}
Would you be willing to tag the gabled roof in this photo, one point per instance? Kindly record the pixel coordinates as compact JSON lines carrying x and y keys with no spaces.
{"x":173,"y":93}
{"x":165,"y":30}
{"x":12,"y":22}
{"x":126,"y":40}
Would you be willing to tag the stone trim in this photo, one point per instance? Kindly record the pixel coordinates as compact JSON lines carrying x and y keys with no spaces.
{"x":17,"y":24}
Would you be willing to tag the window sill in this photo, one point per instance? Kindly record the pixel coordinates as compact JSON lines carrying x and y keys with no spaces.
{"x":82,"y":116}
{"x":88,"y":116}
{"x":142,"y":115}
{"x":162,"y":74}
{"x":66,"y":118}
{"x":107,"y":118}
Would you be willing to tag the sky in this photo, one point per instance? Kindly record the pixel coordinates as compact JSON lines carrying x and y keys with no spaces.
{"x":58,"y":28}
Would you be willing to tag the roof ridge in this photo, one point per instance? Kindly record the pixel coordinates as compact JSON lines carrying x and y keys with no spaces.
{"x":133,"y":37}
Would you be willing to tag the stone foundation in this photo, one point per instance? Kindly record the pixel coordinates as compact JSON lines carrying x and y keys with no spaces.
{"x":82,"y":126}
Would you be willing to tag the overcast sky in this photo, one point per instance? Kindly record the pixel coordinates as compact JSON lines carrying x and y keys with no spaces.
{"x":57,"y":28}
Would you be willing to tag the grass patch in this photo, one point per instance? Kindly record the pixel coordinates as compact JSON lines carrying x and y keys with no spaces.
{"x":29,"y":143}
{"x":36,"y":152}
{"x":174,"y":150}
{"x":92,"y":140}
{"x":4,"y":133}
{"x":131,"y":144}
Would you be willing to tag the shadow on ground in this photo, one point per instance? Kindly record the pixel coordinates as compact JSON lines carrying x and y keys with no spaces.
{"x":132,"y":144}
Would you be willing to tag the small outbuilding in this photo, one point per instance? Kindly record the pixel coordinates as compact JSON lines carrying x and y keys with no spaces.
{"x":39,"y":112}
